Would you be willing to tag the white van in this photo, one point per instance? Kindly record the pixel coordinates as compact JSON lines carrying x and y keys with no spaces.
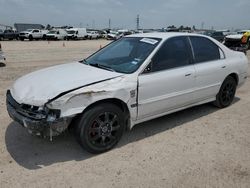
{"x":56,"y":34}
{"x":76,"y":33}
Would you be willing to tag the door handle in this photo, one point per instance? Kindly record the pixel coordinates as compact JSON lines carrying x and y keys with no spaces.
{"x":223,"y":67}
{"x":188,"y":74}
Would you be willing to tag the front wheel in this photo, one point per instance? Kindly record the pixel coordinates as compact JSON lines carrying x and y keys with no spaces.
{"x":30,"y":38}
{"x":226,"y":94}
{"x":100,"y":128}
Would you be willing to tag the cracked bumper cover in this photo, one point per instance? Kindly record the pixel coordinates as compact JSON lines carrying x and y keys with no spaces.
{"x":42,"y":125}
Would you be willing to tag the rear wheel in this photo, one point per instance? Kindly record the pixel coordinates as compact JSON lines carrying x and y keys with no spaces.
{"x":100,"y":128}
{"x":226,"y":94}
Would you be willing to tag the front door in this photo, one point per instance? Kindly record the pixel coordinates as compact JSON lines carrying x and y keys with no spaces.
{"x":170,"y":82}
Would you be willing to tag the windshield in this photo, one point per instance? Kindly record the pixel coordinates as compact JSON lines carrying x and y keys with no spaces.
{"x":125,"y":55}
{"x":241,"y":32}
{"x":29,"y":30}
{"x":52,"y":32}
{"x":71,"y":32}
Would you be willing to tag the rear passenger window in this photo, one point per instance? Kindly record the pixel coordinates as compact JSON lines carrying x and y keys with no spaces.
{"x":174,"y":53}
{"x":204,"y":49}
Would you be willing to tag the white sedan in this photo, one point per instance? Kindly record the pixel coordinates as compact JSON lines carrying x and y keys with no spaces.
{"x":132,"y":80}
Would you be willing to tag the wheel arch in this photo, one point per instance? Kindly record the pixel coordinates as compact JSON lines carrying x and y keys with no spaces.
{"x":234,"y":76}
{"x":118,"y":102}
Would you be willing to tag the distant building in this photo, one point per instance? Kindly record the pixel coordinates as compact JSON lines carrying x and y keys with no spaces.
{"x":24,"y":26}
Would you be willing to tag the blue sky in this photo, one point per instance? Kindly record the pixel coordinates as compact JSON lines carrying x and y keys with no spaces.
{"x":220,"y":14}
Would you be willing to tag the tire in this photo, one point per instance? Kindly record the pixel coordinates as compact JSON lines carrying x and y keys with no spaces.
{"x":226,"y":94}
{"x":1,"y":38}
{"x":100,"y":128}
{"x":44,"y":37}
{"x":22,"y":39}
{"x":30,"y":37}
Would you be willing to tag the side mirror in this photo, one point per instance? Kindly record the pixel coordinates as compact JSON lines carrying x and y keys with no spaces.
{"x":148,"y":68}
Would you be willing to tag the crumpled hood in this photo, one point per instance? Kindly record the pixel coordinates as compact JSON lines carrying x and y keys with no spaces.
{"x":237,"y":36}
{"x":39,"y":87}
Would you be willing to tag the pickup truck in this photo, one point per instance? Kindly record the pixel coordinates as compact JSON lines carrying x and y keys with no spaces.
{"x":92,"y":35}
{"x":33,"y":34}
{"x":8,"y":34}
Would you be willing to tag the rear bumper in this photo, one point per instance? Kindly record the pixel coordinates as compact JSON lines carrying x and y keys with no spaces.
{"x":37,"y":126}
{"x":242,"y":79}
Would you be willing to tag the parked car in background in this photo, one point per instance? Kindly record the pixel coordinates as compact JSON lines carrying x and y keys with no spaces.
{"x":218,"y":35}
{"x":76,"y":33}
{"x":1,"y":34}
{"x":239,"y":41}
{"x":103,"y":34}
{"x":113,"y":35}
{"x":33,"y":34}
{"x":8,"y":34}
{"x":57,"y":34}
{"x":132,"y":80}
{"x":93,"y":35}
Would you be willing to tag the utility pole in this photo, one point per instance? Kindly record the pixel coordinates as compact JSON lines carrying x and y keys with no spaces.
{"x":109,"y":23}
{"x":138,"y":22}
{"x":202,"y":25}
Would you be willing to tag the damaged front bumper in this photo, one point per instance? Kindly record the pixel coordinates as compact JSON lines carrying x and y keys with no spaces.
{"x":38,"y":122}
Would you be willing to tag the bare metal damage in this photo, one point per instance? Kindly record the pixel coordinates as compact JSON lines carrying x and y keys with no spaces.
{"x":76,"y":101}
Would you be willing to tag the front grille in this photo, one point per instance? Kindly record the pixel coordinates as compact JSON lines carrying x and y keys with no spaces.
{"x":25,"y":110}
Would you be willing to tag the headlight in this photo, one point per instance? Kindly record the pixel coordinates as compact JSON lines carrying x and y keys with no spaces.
{"x":52,"y":114}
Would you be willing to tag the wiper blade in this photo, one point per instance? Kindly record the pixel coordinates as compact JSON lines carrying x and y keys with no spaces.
{"x":102,"y":67}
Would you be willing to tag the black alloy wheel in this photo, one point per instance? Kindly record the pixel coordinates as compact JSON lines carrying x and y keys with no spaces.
{"x":226,"y":94}
{"x":100,"y":128}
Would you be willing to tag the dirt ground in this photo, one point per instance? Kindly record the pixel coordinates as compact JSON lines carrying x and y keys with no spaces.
{"x":198,"y":147}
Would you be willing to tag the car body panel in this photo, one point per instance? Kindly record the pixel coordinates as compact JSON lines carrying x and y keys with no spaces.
{"x":165,"y":90}
{"x":47,"y":83}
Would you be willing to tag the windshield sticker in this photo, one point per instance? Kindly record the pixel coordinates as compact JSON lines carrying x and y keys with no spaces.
{"x":134,"y":62}
{"x":149,"y":41}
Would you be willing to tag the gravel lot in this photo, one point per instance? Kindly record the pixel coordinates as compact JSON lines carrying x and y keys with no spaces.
{"x":198,"y":147}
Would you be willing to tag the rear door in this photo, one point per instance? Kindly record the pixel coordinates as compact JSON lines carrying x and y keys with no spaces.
{"x":170,"y":80}
{"x":210,"y":67}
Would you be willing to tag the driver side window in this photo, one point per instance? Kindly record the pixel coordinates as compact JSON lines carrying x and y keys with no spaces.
{"x":174,"y":53}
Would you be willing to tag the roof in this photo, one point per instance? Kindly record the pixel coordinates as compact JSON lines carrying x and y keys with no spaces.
{"x":163,"y":35}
